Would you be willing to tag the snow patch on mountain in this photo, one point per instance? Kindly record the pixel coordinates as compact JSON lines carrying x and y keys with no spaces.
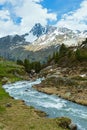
{"x":30,"y":38}
{"x":40,"y":37}
{"x":38,"y":31}
{"x":56,"y":37}
{"x":71,"y":42}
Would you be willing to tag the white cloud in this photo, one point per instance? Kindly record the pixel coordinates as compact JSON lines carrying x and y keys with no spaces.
{"x":2,"y":1}
{"x":4,"y":14}
{"x":76,"y":20}
{"x":30,"y":11}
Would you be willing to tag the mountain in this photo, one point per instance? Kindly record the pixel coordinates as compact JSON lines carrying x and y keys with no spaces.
{"x":39,"y":42}
{"x":15,"y":40}
{"x":13,"y":46}
{"x":37,"y":31}
{"x":55,"y":37}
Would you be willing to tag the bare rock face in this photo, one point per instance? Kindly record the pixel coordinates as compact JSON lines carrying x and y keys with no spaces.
{"x":73,"y":126}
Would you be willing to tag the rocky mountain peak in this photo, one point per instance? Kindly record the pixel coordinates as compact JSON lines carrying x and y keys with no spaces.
{"x":38,"y":30}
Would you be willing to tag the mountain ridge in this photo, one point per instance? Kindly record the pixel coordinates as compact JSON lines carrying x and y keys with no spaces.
{"x":39,"y":40}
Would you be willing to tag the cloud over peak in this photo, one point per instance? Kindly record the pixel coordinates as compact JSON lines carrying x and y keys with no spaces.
{"x":19,"y":16}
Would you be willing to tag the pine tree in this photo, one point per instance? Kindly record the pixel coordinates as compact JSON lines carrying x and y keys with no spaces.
{"x":63,"y":50}
{"x":77,"y":55}
{"x":19,"y":62}
{"x":49,"y":58}
{"x":27,"y":65}
{"x":54,"y":54}
{"x":56,"y":58}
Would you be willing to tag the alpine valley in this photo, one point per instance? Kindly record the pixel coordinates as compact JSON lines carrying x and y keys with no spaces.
{"x":39,"y":42}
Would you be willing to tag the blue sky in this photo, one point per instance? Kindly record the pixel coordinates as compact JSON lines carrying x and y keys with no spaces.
{"x":61,"y":7}
{"x":20,"y":16}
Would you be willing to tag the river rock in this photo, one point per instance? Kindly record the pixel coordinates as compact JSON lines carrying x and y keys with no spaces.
{"x":8,"y":105}
{"x":5,"y":80}
{"x":72,"y":126}
{"x":68,"y":94}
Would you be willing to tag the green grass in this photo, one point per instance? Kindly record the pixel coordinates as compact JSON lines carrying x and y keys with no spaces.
{"x":8,"y":69}
{"x":3,"y":94}
{"x":3,"y":100}
{"x":2,"y":109}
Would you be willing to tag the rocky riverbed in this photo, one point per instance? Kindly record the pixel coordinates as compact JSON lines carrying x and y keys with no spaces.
{"x":68,"y":83}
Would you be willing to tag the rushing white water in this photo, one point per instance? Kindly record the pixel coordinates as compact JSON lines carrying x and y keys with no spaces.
{"x":51,"y":104}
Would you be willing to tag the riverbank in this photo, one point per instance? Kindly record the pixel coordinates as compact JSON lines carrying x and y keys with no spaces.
{"x":67,"y":83}
{"x":22,"y":117}
{"x":14,"y":114}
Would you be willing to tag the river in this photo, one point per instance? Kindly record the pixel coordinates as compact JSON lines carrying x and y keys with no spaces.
{"x":51,"y":104}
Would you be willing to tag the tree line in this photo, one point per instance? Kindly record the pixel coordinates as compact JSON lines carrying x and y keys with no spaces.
{"x":36,"y":65}
{"x":65,"y":53}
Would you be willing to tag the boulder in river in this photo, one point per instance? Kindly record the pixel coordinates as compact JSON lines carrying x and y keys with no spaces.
{"x":72,"y":126}
{"x":63,"y":122}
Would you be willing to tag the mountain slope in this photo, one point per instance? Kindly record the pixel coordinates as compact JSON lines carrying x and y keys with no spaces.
{"x":66,"y":74}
